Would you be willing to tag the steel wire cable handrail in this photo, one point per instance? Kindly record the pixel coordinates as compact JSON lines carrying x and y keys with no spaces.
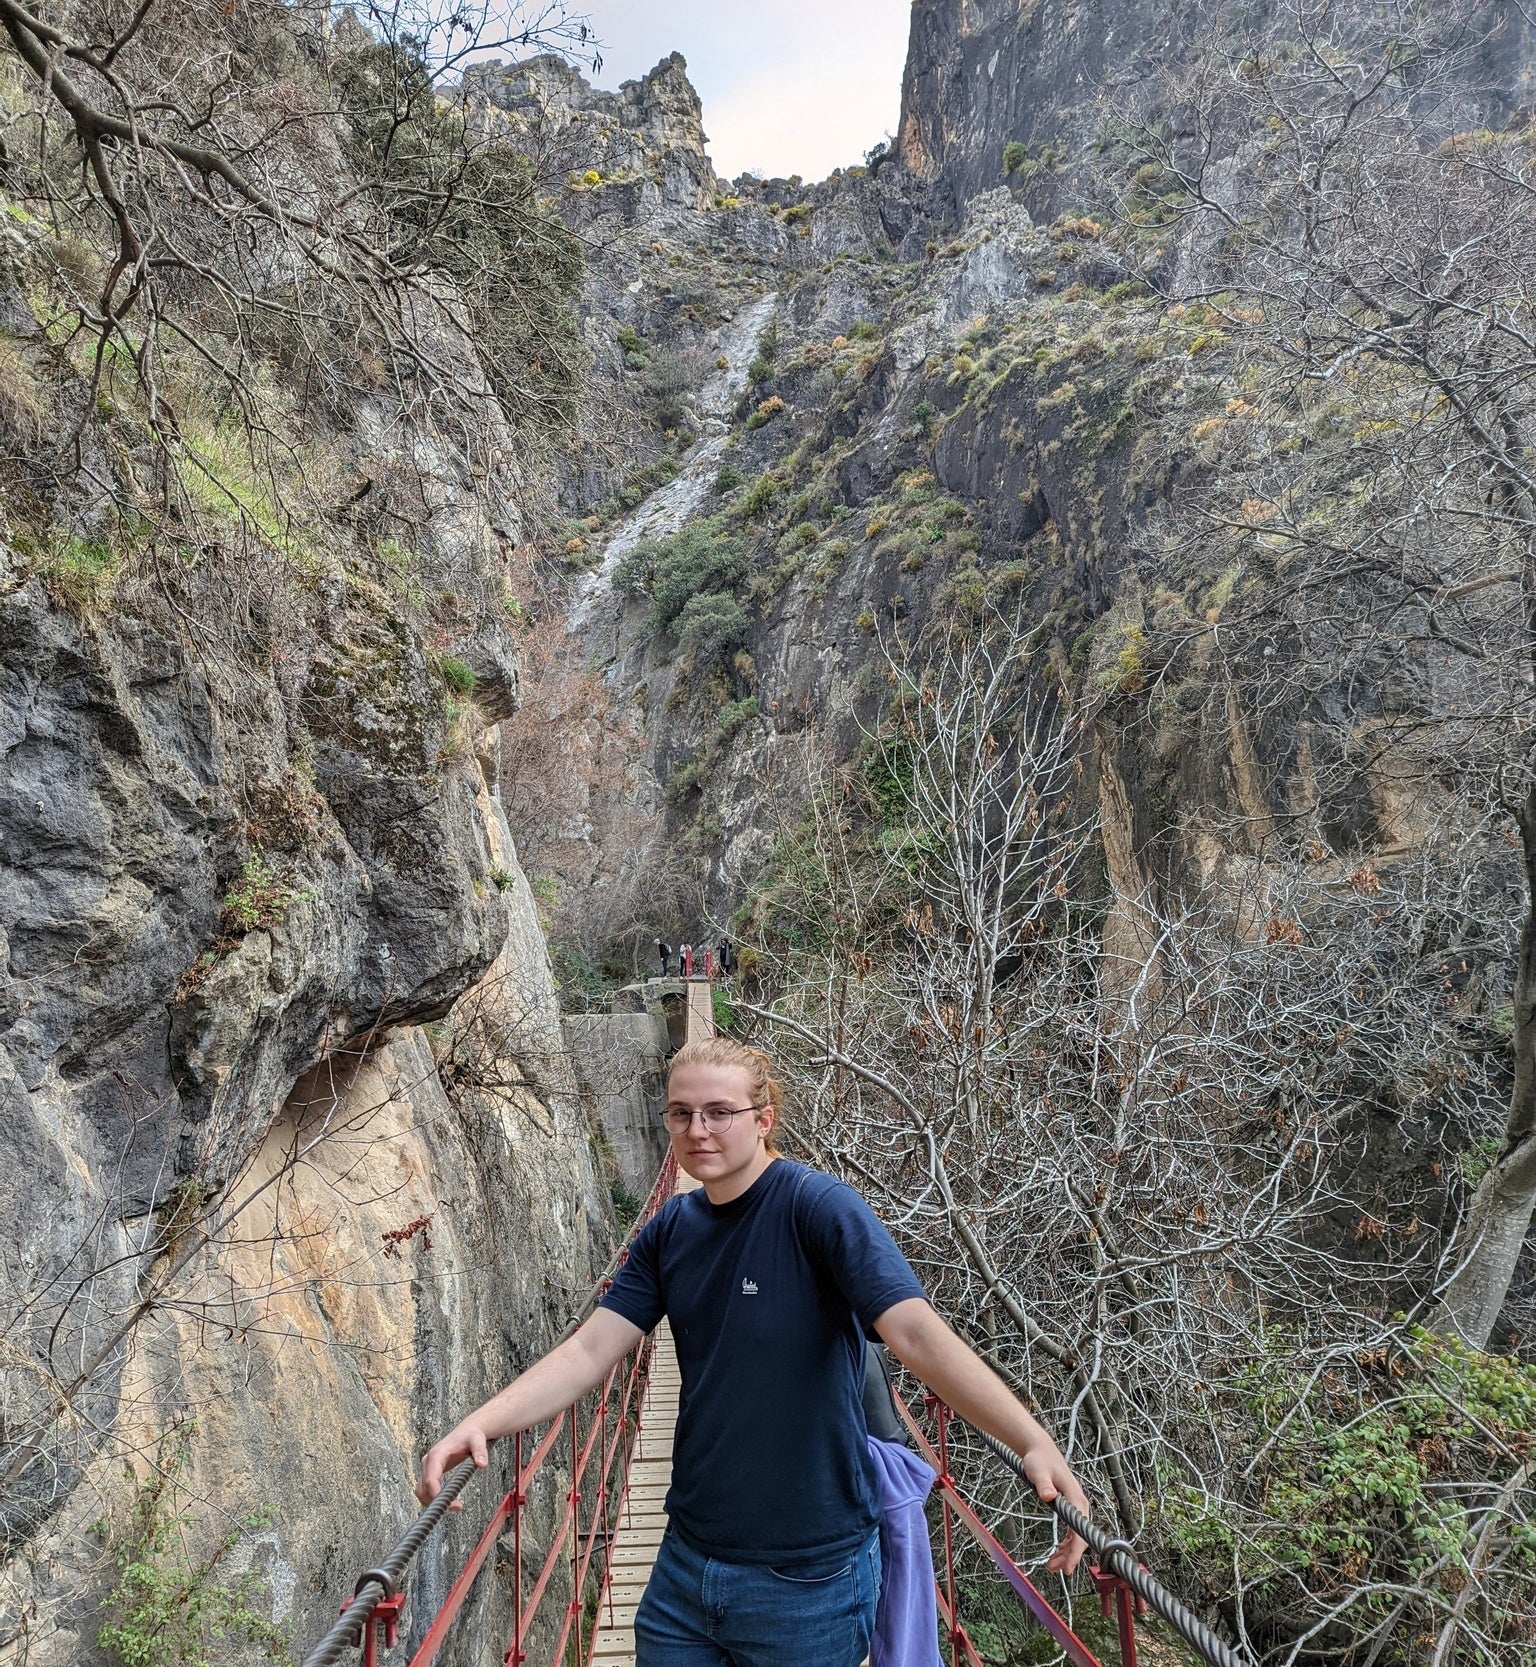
{"x":1119,"y":1559}
{"x":347,"y":1631}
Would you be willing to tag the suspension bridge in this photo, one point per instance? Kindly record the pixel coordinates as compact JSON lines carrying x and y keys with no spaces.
{"x":613,"y":1456}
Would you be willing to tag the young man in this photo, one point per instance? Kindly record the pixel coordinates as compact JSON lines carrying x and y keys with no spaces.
{"x":771,"y":1275}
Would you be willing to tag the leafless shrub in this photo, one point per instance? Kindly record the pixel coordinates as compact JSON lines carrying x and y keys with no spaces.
{"x":1166,"y":1192}
{"x":1370,"y":246}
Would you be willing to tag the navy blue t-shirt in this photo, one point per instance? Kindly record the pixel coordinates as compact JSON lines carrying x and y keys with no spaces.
{"x":770,"y":1297}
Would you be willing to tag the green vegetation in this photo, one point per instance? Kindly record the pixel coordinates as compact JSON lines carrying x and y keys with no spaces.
{"x":735,"y":715}
{"x":761,"y":367}
{"x":258,"y":899}
{"x":761,"y":493}
{"x":456,"y":674}
{"x":169,"y":1606}
{"x":765,"y":412}
{"x":692,"y":581}
{"x":585,"y":985}
{"x":711,"y":623}
{"x":684,"y":780}
{"x":1354,"y":1483}
{"x":700,"y":560}
{"x":626,"y":1207}
{"x":667,"y":387}
{"x":545,"y":890}
{"x":79,"y":573}
{"x":1026,"y":161}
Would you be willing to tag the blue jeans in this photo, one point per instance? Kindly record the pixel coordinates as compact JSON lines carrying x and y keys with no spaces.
{"x":699,"y":1612}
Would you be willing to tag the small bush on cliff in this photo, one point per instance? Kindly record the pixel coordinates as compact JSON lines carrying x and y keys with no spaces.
{"x":170,"y":1607}
{"x":710,"y":623}
{"x":761,"y":493}
{"x":258,"y":898}
{"x":1014,"y":154}
{"x":696,"y":563}
{"x":735,"y":715}
{"x":691,"y":581}
{"x":765,"y":412}
{"x":761,"y":367}
{"x":456,"y":674}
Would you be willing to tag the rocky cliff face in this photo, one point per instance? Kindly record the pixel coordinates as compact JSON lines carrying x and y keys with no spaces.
{"x":1053,"y":78}
{"x":920,"y":385}
{"x":185,"y":1030}
{"x":292,"y":1163}
{"x":648,"y":135}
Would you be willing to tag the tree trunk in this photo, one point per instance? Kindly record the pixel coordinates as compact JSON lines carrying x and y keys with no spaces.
{"x":1500,"y":1216}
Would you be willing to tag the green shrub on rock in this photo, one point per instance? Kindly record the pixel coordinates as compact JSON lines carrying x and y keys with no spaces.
{"x":710,"y":623}
{"x":1382,"y":1480}
{"x":172,"y":1607}
{"x":698,"y":562}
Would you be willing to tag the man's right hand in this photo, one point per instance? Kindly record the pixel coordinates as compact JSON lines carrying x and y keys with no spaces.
{"x":546,"y":1389}
{"x":468,"y":1441}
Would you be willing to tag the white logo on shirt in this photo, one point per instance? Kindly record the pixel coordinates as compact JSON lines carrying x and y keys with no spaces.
{"x":749,"y":1287}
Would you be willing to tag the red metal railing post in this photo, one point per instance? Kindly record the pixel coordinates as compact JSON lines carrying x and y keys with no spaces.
{"x":600,"y":1523}
{"x":575,"y":1514}
{"x":515,"y":1656}
{"x":1125,"y":1620}
{"x":1116,"y":1597}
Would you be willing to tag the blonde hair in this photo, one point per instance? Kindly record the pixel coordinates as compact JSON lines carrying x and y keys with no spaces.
{"x":765,"y":1089}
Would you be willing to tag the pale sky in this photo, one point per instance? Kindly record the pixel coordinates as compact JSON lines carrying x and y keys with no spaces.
{"x":788,"y":86}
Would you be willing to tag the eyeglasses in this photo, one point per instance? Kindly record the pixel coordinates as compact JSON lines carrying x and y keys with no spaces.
{"x":679,"y":1119}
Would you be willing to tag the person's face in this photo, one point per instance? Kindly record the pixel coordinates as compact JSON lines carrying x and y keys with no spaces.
{"x":717,"y":1156}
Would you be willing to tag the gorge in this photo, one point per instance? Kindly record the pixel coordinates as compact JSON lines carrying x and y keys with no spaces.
{"x":1067,"y":626}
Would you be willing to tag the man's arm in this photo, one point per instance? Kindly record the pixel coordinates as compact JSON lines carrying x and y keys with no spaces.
{"x":922,"y":1342}
{"x":549,"y":1386}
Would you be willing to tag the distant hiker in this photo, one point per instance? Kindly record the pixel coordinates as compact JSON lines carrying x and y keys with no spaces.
{"x":772,"y":1275}
{"x":664,"y":950}
{"x":725,"y":958}
{"x":687,"y":960}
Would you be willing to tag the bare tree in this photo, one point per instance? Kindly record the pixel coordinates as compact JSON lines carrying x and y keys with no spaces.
{"x":1145,"y":1192}
{"x":1369,"y":244}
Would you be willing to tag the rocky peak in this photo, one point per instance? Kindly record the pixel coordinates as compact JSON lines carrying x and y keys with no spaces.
{"x":651,"y":129}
